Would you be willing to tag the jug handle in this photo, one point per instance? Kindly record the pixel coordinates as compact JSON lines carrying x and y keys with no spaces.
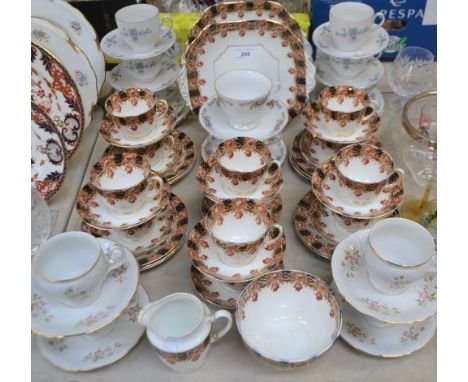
{"x":215,"y":336}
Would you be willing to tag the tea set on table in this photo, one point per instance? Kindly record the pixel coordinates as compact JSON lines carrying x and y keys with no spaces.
{"x":88,"y":308}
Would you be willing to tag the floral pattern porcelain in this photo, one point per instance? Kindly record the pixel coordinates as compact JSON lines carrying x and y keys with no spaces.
{"x":54,"y":91}
{"x":120,"y":78}
{"x":288,"y":318}
{"x":114,"y":45}
{"x":325,"y":186}
{"x":50,"y":318}
{"x":417,"y":303}
{"x":207,"y":55}
{"x":273,"y":121}
{"x":384,"y":340}
{"x":73,"y":22}
{"x":90,"y":352}
{"x":48,"y":163}
{"x":376,"y":43}
{"x":204,"y":255}
{"x":73,"y":60}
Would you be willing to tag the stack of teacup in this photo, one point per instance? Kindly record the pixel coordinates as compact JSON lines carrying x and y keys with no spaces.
{"x":126,"y":200}
{"x":349,"y":46}
{"x":147,"y":49}
{"x":85,"y":299}
{"x":386,"y":276}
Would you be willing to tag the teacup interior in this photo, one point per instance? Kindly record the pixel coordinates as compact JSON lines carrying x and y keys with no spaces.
{"x":346,"y":105}
{"x":237,"y":230}
{"x":243,"y":85}
{"x":176,"y":317}
{"x":371,"y":171}
{"x":121,"y":178}
{"x":129,"y":108}
{"x":402,"y":241}
{"x":241,"y":162}
{"x":66,"y":256}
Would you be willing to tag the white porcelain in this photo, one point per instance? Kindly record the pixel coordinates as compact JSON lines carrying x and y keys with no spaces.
{"x":276,"y":145}
{"x":56,"y":41}
{"x":381,"y":339}
{"x":368,"y":78}
{"x":75,"y":24}
{"x":349,"y":68}
{"x":242,"y":95}
{"x":51,"y":318}
{"x":40,"y":221}
{"x":114,"y":45}
{"x":398,"y":253}
{"x":145,"y":70}
{"x":377,"y":96}
{"x":350,"y":272}
{"x":140,"y":26}
{"x":205,"y":255}
{"x":71,"y":267}
{"x":179,"y":326}
{"x":288,"y":318}
{"x":103,"y":348}
{"x":351,"y":24}
{"x":272,"y":122}
{"x":375,"y":43}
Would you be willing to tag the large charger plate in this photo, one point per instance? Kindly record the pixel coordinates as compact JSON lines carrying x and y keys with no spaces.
{"x":75,"y":24}
{"x":272,"y":49}
{"x":60,"y":45}
{"x":55,"y":92}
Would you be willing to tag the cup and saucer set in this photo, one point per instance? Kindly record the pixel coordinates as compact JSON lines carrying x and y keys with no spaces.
{"x":349,"y":46}
{"x":85,"y":298}
{"x":126,"y":200}
{"x":386,"y":277}
{"x":146,"y":44}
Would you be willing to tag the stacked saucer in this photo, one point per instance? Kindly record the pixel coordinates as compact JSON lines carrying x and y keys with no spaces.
{"x":349,"y":46}
{"x":353,"y":190}
{"x":85,"y":298}
{"x":125,"y":201}
{"x":147,"y":49}
{"x":387,"y":279}
{"x":236,"y":242}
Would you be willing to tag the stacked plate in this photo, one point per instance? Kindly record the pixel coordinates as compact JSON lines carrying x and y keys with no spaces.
{"x":67,"y":72}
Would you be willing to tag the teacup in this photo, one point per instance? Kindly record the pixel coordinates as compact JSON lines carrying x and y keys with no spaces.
{"x":72,"y":266}
{"x":349,"y":68}
{"x":145,"y":70}
{"x":124,"y":180}
{"x":363,"y":171}
{"x":134,"y":111}
{"x":398,"y":252}
{"x":344,"y":108}
{"x":351,"y":23}
{"x":179,"y":326}
{"x":242,"y":95}
{"x":239,"y":227}
{"x":243,"y":163}
{"x":140,"y":26}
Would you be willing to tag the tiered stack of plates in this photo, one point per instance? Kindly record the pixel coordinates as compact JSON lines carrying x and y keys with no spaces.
{"x":67,"y":72}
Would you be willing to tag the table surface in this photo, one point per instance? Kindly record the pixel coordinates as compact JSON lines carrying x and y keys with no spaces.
{"x":228,"y":359}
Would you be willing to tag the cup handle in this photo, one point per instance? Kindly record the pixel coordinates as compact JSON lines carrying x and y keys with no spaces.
{"x":373,"y":105}
{"x":154,"y":177}
{"x":170,"y":20}
{"x":273,"y":167}
{"x":215,"y":336}
{"x":114,"y":255}
{"x":275,"y":232}
{"x":394,"y":179}
{"x":380,"y":23}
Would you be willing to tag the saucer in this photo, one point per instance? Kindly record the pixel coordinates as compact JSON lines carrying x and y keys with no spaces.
{"x":215,"y":122}
{"x":349,"y":268}
{"x":84,"y":353}
{"x":367,"y":79}
{"x":390,"y":341}
{"x":376,"y":43}
{"x":114,"y":46}
{"x":92,"y":208}
{"x":209,"y":182}
{"x":276,"y":145}
{"x":312,"y":120}
{"x":115,"y":136}
{"x":202,"y":252}
{"x":275,"y":206}
{"x":304,"y":223}
{"x":50,"y":318}
{"x":325,"y":186}
{"x":120,"y":79}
